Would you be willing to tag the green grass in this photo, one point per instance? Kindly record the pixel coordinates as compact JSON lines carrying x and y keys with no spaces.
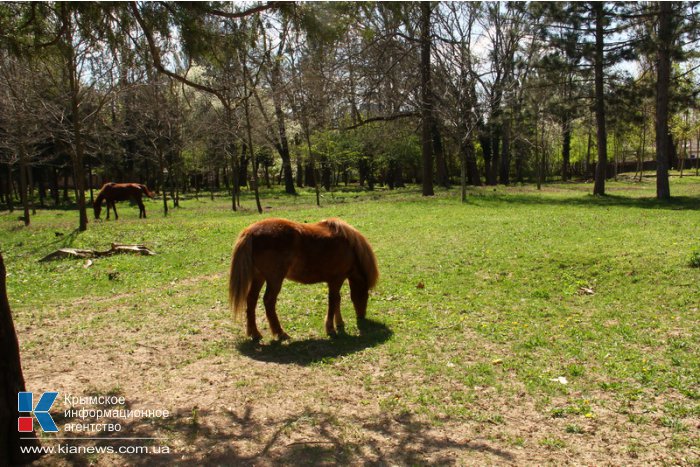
{"x":518,"y":287}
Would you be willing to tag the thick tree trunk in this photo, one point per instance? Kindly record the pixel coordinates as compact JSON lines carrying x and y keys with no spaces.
{"x":426,"y":101}
{"x":601,"y":166}
{"x":11,"y":383}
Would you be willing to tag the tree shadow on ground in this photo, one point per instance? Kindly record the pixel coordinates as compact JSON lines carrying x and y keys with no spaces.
{"x":677,"y":203}
{"x":61,"y":241}
{"x":308,"y":351}
{"x":197,"y":436}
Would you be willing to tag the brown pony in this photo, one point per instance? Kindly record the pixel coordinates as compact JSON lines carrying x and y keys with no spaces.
{"x":112,"y":192}
{"x":273,"y":249}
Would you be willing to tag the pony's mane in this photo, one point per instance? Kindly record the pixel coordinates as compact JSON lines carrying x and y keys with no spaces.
{"x":360,"y":245}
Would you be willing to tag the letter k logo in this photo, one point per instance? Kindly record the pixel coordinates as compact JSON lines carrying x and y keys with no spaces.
{"x":25,"y":403}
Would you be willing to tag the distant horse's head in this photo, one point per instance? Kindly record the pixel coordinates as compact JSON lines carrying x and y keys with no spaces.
{"x":97,"y":206}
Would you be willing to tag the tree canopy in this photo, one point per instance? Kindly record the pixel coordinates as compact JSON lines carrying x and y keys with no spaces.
{"x":190,"y":96}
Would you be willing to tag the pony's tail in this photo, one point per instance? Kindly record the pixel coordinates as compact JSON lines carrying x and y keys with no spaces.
{"x":241,"y":273}
{"x":363,"y":251}
{"x":147,"y":192}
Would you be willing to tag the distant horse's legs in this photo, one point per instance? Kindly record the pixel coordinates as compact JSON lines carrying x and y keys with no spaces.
{"x":334,"y":308}
{"x":359,"y":294}
{"x":142,"y":209}
{"x":252,"y":301}
{"x":270,"y":299}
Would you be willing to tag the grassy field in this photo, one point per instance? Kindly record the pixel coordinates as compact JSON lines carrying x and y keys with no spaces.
{"x":522,"y":327}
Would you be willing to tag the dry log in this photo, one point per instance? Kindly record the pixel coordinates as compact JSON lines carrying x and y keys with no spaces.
{"x":116,"y":248}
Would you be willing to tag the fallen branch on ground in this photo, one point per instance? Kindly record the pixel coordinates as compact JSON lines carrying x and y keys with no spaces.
{"x":116,"y":248}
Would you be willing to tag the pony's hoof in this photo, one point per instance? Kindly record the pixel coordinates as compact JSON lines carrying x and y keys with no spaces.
{"x":341,"y":329}
{"x":256,"y":337}
{"x":331,"y":333}
{"x":283,"y":336}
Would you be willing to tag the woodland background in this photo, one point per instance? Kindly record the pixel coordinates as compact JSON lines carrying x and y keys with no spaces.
{"x":205,"y":96}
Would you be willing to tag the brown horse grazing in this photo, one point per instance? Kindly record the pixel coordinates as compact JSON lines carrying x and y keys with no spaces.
{"x":328,"y":251}
{"x":112,"y":192}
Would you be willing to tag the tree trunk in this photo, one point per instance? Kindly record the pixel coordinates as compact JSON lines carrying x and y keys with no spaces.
{"x":566,"y":149}
{"x":495,"y":137}
{"x":539,"y":153}
{"x":283,"y":146}
{"x":42,"y":187}
{"x":300,"y":173}
{"x":663,"y":70}
{"x":440,"y":160}
{"x":78,"y":150}
{"x":485,"y":140}
{"x":249,"y":134}
{"x":504,"y":171}
{"x":10,"y":195}
{"x":325,"y":173}
{"x":602,"y":165}
{"x":162,"y":175}
{"x":426,"y":101}
{"x":55,"y":191}
{"x":11,"y":383}
{"x":23,"y":195}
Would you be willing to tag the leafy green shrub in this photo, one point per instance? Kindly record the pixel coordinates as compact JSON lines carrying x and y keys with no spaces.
{"x":694,"y":261}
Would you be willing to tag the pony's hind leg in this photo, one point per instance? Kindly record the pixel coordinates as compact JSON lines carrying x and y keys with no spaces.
{"x":359,"y":293}
{"x":272,"y":290}
{"x":142,"y":210}
{"x":251,"y":303}
{"x":114,"y":206}
{"x":334,"y":309}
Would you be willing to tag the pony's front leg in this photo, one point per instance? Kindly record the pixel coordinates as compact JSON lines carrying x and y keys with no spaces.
{"x":142,"y":210}
{"x":251,"y":303}
{"x":270,"y":300}
{"x":114,"y":206}
{"x":334,"y":309}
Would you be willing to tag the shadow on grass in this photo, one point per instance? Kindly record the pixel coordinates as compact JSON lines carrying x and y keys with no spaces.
{"x":308,"y":351}
{"x":61,"y":241}
{"x":240,"y":436}
{"x":677,"y":203}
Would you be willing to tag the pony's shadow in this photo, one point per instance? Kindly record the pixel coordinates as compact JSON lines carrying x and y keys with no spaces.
{"x":308,"y":351}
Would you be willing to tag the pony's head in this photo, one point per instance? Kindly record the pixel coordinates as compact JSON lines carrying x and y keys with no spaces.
{"x":97,"y":207}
